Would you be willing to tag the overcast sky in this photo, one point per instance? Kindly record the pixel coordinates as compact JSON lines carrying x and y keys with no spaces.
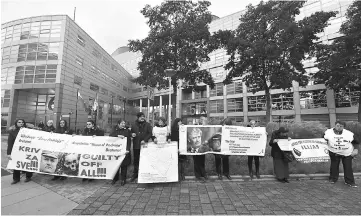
{"x":109,"y":22}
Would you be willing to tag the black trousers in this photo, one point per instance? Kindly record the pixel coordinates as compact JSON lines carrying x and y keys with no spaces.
{"x":136,"y":153}
{"x":16,"y":175}
{"x":256,"y":163}
{"x":199,"y":166}
{"x":347,"y":167}
{"x":123,"y":173}
{"x":222,"y":160}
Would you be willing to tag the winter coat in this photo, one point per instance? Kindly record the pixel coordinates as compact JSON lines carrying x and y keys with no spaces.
{"x":127,"y":133}
{"x":11,"y":139}
{"x":49,"y":129}
{"x":143,"y":132}
{"x":93,"y":131}
{"x":276,"y":152}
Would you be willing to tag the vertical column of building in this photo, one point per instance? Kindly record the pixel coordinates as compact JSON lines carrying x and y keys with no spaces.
{"x":296,"y":101}
{"x":330,"y":96}
{"x":245,"y":102}
{"x":208,"y":105}
{"x":160,"y":105}
{"x":13,"y":106}
{"x":225,"y":108}
{"x":140,"y":104}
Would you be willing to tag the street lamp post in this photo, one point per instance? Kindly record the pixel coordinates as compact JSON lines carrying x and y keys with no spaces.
{"x":111,"y":113}
{"x":170,"y":73}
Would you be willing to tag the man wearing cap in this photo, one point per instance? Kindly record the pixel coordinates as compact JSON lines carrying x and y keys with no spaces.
{"x":48,"y":163}
{"x":280,"y":165}
{"x":341,"y":146}
{"x":141,"y":133}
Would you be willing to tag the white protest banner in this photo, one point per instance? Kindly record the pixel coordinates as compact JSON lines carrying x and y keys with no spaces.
{"x":161,"y":134}
{"x":310,"y":150}
{"x":158,"y":163}
{"x":65,"y":155}
{"x":284,"y":144}
{"x":238,"y":140}
{"x":200,"y":139}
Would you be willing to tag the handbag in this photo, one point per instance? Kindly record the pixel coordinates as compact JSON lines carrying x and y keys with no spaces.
{"x":288,"y":156}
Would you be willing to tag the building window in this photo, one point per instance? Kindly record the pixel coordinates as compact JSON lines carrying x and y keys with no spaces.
{"x":284,"y":119}
{"x":81,"y":41}
{"x":79,"y":60}
{"x":347,"y":97}
{"x":5,"y":98}
{"x":94,"y":87}
{"x":202,"y":93}
{"x":217,"y":90}
{"x":216,"y":106}
{"x":35,"y":74}
{"x":194,"y":108}
{"x":282,"y":101}
{"x":104,"y":91}
{"x":256,"y":103}
{"x":34,"y":51}
{"x":137,"y":90}
{"x":94,"y":70}
{"x":78,"y":80}
{"x":106,"y":61}
{"x":313,"y":99}
{"x":125,"y":88}
{"x":235,"y":105}
{"x":96,"y":53}
{"x":234,"y":88}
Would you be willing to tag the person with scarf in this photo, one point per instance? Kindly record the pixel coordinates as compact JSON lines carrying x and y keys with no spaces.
{"x":141,"y":133}
{"x":342,"y":146}
{"x":49,"y":127}
{"x":123,"y":132}
{"x":19,"y":123}
{"x":280,"y":164}
{"x":91,"y":130}
{"x":62,"y":129}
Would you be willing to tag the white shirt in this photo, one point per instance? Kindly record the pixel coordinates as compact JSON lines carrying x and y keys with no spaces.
{"x":340,"y":144}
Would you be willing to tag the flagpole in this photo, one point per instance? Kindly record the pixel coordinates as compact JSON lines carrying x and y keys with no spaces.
{"x":96,"y":111}
{"x":76,"y":108}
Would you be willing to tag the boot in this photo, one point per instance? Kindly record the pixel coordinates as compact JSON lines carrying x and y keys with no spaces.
{"x":251,"y":174}
{"x":257,"y":174}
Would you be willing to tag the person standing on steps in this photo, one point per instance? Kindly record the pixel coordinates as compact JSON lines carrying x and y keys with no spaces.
{"x":280,"y":165}
{"x":122,"y":132}
{"x":19,"y":123}
{"x":223,"y":160}
{"x":252,"y":124}
{"x":141,"y":133}
{"x":342,"y":146}
{"x":174,"y":136}
{"x":91,"y":130}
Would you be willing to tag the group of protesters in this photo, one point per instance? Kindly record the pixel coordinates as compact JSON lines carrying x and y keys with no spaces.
{"x":140,"y":132}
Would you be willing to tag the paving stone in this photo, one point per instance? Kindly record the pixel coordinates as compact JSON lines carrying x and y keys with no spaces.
{"x":113,"y":211}
{"x":105,"y":207}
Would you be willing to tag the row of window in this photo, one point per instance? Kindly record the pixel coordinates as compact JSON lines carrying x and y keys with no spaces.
{"x":102,"y":90}
{"x":29,"y":74}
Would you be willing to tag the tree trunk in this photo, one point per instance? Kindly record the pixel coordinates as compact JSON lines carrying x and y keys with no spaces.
{"x":268,"y":105}
{"x":359,"y":107}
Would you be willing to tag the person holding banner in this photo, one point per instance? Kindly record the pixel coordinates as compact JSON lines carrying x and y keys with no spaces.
{"x":91,"y":130}
{"x":19,"y":123}
{"x":223,"y":159}
{"x":341,"y":146}
{"x":199,"y":160}
{"x":161,"y":131}
{"x":280,"y":164}
{"x":62,"y":129}
{"x":252,"y":124}
{"x":122,"y":132}
{"x":141,"y":133}
{"x":49,"y":127}
{"x":174,"y":136}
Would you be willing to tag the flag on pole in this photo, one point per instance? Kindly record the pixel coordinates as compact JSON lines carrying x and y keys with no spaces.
{"x":95,"y":105}
{"x":82,"y":101}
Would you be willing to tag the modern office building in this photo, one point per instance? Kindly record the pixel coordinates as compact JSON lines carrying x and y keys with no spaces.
{"x":46,"y":61}
{"x":310,"y":103}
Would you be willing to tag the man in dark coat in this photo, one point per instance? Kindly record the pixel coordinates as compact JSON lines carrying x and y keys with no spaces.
{"x":141,"y":133}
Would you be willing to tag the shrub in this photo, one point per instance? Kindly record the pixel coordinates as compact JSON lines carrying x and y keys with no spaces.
{"x":354,"y":127}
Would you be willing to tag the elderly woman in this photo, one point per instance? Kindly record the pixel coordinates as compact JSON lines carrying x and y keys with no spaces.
{"x":49,"y":127}
{"x":280,"y":165}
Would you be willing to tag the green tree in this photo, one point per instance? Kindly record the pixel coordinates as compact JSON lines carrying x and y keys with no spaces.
{"x":268,"y":47}
{"x":339,"y":63}
{"x":179,"y":39}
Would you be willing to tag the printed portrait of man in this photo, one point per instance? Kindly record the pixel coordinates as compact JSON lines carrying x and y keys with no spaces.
{"x":49,"y":161}
{"x":195,"y":144}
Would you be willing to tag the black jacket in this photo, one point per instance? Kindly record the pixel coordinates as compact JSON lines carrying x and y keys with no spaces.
{"x":276,"y":152}
{"x":127,"y":133}
{"x":143,"y":132}
{"x":11,"y":139}
{"x":49,"y":129}
{"x":92,"y":132}
{"x":62,"y":130}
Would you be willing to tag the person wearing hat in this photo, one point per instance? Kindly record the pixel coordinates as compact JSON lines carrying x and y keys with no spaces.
{"x":48,"y":162}
{"x":141,"y":133}
{"x":342,"y":146}
{"x":13,"y":133}
{"x":280,"y":165}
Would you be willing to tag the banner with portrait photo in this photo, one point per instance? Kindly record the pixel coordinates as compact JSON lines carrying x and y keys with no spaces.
{"x":307,"y":150}
{"x":227,"y":140}
{"x":65,"y":155}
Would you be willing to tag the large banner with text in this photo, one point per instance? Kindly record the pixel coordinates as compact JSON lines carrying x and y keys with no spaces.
{"x":227,"y":140}
{"x":306,"y":150}
{"x":90,"y":157}
{"x":158,"y":163}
